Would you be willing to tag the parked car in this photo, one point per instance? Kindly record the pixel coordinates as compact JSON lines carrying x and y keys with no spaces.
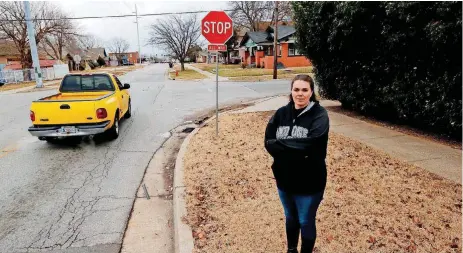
{"x":87,"y":104}
{"x":2,"y":81}
{"x":235,"y":60}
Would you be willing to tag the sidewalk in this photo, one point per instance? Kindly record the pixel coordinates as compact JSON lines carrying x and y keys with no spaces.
{"x":211,"y":77}
{"x":45,"y":84}
{"x":436,"y":158}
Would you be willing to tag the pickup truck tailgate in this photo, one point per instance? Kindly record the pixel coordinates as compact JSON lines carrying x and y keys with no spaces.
{"x":60,"y":109}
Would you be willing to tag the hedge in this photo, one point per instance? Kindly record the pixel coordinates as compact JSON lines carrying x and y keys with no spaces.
{"x":397,"y":61}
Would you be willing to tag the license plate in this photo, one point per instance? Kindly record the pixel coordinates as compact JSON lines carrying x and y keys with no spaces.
{"x":68,"y":130}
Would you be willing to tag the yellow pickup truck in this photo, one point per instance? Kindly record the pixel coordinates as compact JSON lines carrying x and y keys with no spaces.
{"x":87,"y":104}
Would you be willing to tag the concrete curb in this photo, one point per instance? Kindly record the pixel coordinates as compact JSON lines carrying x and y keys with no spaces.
{"x":183,"y":237}
{"x":18,"y":90}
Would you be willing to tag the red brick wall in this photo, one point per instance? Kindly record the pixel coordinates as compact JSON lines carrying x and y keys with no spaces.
{"x":132,"y":57}
{"x":251,"y":60}
{"x":268,"y":62}
{"x":288,"y":61}
{"x":293,"y":61}
{"x":259,"y":56}
{"x":243,"y":54}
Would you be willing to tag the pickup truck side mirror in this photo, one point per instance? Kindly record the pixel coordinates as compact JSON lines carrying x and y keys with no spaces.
{"x":126,"y":86}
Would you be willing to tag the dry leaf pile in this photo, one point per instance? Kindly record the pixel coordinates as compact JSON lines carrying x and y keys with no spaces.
{"x":372,"y":203}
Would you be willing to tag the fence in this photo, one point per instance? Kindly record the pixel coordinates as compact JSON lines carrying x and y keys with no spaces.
{"x":27,"y":75}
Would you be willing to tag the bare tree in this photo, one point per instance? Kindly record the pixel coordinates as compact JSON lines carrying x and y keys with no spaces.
{"x":13,"y":26}
{"x":249,"y":14}
{"x":285,"y":10}
{"x":56,"y":43}
{"x":90,"y":41}
{"x":118,"y":45}
{"x":177,"y":35}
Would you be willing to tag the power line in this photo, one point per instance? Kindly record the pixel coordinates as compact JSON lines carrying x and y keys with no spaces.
{"x":110,"y":16}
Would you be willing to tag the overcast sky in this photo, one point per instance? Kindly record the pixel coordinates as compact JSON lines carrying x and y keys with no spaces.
{"x":126,"y":27}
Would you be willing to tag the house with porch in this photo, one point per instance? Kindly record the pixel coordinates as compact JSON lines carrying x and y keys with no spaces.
{"x":86,"y":55}
{"x":256,"y":48}
{"x":201,"y":57}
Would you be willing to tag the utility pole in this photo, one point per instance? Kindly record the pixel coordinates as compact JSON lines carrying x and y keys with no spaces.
{"x":138,"y":34}
{"x":275,"y":42}
{"x":33,"y":45}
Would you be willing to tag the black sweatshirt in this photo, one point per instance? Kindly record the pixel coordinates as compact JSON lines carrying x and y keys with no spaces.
{"x":298,"y":145}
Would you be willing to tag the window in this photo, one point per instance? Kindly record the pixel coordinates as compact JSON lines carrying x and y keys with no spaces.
{"x":269,"y":51}
{"x":119,"y":84}
{"x":130,"y":56}
{"x":73,"y":83}
{"x":279,"y":50}
{"x":292,"y":50}
{"x":87,"y":83}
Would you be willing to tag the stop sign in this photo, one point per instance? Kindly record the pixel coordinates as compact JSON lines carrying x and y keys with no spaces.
{"x":217,"y":27}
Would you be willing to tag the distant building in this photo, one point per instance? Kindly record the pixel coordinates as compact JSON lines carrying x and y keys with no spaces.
{"x":201,"y":57}
{"x":86,"y":55}
{"x":10,"y":58}
{"x":126,"y":58}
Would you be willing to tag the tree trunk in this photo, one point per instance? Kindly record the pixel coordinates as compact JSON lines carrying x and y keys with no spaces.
{"x":182,"y":64}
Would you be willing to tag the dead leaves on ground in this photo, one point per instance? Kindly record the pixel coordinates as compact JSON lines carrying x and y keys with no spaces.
{"x":372,"y":203}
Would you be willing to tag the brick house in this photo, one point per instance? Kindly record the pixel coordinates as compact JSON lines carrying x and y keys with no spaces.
{"x":201,"y":57}
{"x":86,"y":55}
{"x":256,"y":48}
{"x":128,"y":57}
{"x":10,"y":58}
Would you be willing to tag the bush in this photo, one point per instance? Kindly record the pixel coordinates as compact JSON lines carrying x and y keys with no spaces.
{"x":82,"y":65}
{"x":91,"y":64}
{"x":244,"y":65}
{"x":101,"y":61}
{"x":398,"y":61}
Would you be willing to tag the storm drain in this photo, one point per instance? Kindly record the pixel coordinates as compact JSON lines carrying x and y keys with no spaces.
{"x":188,"y":130}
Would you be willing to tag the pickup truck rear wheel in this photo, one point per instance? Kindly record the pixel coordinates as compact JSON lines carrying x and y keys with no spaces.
{"x":113,"y":132}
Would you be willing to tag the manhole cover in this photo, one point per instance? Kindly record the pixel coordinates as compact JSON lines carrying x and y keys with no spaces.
{"x":188,"y":130}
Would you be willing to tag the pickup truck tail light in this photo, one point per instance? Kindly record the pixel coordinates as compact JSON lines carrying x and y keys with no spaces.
{"x":32,"y":115}
{"x":101,"y":113}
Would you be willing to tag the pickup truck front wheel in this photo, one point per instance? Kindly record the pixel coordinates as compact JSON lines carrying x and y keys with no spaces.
{"x":113,"y":132}
{"x":128,"y":114}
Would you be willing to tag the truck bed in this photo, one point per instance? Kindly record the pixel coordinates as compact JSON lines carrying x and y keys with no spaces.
{"x":81,"y":96}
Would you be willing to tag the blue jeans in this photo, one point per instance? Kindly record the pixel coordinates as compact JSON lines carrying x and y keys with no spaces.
{"x":300,"y":212}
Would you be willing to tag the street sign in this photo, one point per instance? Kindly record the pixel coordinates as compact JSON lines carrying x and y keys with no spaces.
{"x":217,"y":27}
{"x":211,"y":47}
{"x":77,"y":58}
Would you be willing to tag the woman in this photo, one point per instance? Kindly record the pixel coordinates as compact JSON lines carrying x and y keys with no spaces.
{"x":297,"y":138}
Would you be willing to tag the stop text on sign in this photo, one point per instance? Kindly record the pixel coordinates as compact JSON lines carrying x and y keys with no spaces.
{"x":217,"y":27}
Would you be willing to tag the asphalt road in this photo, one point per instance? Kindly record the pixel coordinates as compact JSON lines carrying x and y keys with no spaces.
{"x":78,"y":198}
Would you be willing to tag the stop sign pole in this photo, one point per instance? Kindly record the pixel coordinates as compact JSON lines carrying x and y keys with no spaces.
{"x":217,"y":28}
